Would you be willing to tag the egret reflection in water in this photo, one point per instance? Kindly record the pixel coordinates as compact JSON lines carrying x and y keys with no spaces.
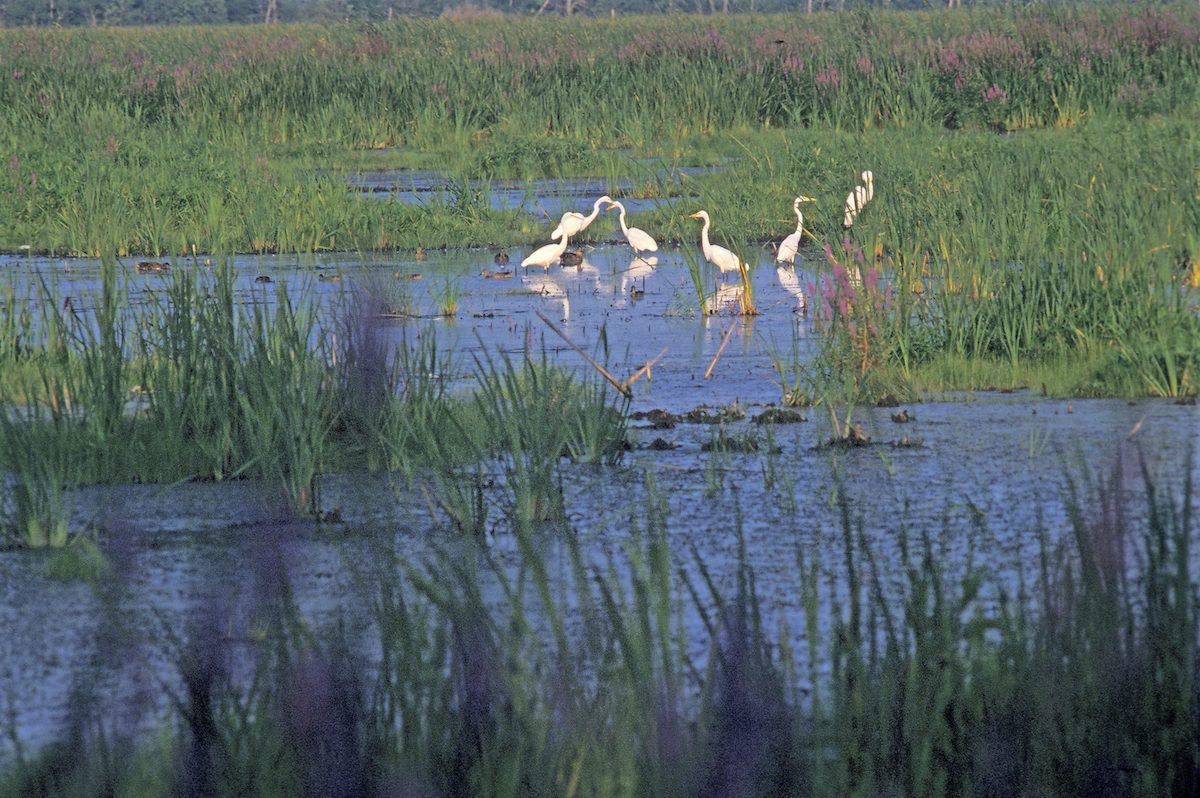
{"x":557,"y":285}
{"x":789,"y":281}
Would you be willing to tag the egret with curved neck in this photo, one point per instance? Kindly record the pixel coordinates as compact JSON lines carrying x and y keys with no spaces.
{"x":639,"y":240}
{"x":720,"y":257}
{"x":575,"y":223}
{"x":859,"y":197}
{"x":789,"y":245}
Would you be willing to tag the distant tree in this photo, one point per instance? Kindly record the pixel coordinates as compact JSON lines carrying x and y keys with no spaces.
{"x":25,"y":12}
{"x":329,"y":10}
{"x":189,"y":12}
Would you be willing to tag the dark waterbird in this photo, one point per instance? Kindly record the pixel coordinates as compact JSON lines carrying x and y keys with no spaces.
{"x":150,"y":266}
{"x":501,"y":257}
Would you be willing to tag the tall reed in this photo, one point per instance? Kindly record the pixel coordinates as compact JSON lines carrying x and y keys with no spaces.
{"x":496,"y":673}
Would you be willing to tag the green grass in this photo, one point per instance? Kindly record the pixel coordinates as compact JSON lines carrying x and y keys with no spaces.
{"x":194,"y":385}
{"x":1079,"y":679}
{"x":1070,"y":236}
{"x":151,"y":141}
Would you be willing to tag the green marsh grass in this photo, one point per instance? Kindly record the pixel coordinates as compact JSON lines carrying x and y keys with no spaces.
{"x":501,"y":674}
{"x":285,"y":399}
{"x":36,"y":501}
{"x":193,"y":384}
{"x":1027,"y":247}
{"x":447,"y":297}
{"x":150,"y":141}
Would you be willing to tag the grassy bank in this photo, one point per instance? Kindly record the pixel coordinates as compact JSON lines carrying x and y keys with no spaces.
{"x":151,"y":141}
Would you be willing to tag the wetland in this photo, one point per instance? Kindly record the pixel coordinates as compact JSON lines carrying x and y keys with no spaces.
{"x":309,"y":487}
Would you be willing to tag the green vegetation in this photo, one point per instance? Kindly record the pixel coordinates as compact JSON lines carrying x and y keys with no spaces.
{"x":194,"y":385}
{"x":520,"y":677}
{"x":1037,"y":223}
{"x":152,"y":141}
{"x":1075,"y":238}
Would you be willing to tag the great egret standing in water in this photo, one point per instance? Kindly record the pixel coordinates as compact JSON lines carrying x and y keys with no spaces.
{"x":574,"y":223}
{"x":859,"y":197}
{"x":639,"y":240}
{"x":544,"y":256}
{"x":720,"y":257}
{"x":789,"y":245}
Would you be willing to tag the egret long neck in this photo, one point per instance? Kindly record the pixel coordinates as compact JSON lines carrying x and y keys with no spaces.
{"x":591,"y":217}
{"x":704,"y":245}
{"x":799,"y":219}
{"x":624,"y":227}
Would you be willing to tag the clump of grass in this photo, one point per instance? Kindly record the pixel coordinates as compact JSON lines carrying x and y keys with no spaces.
{"x":37,"y":506}
{"x":447,"y":298}
{"x":286,"y":400}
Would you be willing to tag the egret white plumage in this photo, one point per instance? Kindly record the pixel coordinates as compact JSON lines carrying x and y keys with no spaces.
{"x":859,"y":197}
{"x":720,"y":257}
{"x":544,"y":256}
{"x":789,"y":245}
{"x":574,"y":223}
{"x":639,"y":240}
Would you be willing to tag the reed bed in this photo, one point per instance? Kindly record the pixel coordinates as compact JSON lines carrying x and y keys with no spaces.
{"x":1081,"y":680}
{"x":195,"y":385}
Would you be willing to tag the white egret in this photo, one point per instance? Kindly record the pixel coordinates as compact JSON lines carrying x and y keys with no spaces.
{"x":544,"y":256}
{"x":639,"y":240}
{"x":720,"y":257}
{"x":574,"y":223}
{"x":789,"y":245}
{"x":859,"y":197}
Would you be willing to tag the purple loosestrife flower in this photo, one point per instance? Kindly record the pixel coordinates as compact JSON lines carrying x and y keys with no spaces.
{"x":994,"y":95}
{"x":829,"y":79}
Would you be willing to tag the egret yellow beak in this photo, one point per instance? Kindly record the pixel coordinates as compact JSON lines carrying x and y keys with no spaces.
{"x":695,"y":216}
{"x":806,"y":199}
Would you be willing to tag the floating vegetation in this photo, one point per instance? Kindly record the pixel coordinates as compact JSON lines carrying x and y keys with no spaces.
{"x":775,"y":415}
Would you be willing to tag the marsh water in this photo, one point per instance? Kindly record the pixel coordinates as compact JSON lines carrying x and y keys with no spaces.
{"x":983,"y":475}
{"x":542,"y":199}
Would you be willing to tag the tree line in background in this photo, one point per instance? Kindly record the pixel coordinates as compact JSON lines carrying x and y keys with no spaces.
{"x":205,"y":12}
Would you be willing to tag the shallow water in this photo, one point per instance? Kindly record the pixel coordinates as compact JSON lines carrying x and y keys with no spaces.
{"x":990,"y":472}
{"x":543,"y":199}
